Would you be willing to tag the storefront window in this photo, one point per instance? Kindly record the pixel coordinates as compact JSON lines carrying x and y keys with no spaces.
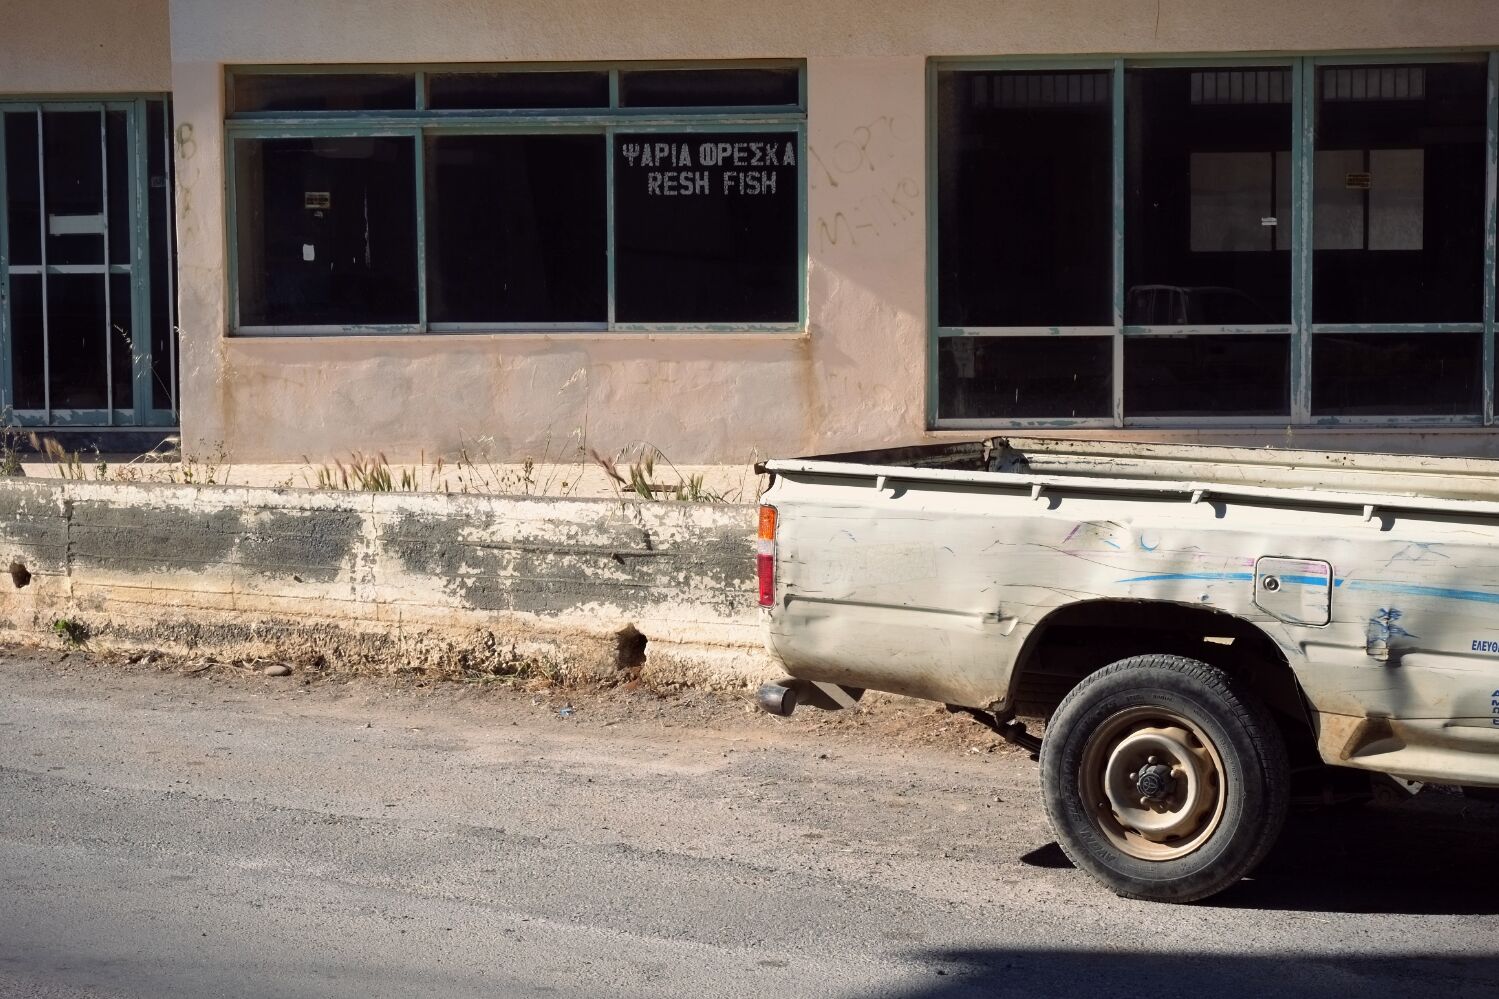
{"x":1026,"y":377}
{"x":327,"y":231}
{"x":1398,"y":196}
{"x":515,"y":229}
{"x":706,"y":227}
{"x":1287,"y":241}
{"x":1207,"y":179}
{"x":1026,"y":207}
{"x":518,"y":200}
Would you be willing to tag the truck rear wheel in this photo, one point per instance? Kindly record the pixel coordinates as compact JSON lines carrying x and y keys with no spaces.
{"x":1163,"y":778}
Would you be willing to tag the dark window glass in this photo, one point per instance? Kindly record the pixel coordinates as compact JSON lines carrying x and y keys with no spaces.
{"x":1217,"y":374}
{"x":327,"y":231}
{"x":673,"y":88}
{"x":23,"y":204}
{"x":1397,"y":374}
{"x":74,"y":174}
{"x":1207,"y":196}
{"x":28,"y":371}
{"x":159,"y":227}
{"x":478,"y":91}
{"x":705,"y":227}
{"x":1398,"y":194}
{"x":324,"y":92}
{"x":1025,"y":377}
{"x":75,"y":341}
{"x":121,"y":341}
{"x":120,"y":195}
{"x":1025,"y":203}
{"x":516,"y":229}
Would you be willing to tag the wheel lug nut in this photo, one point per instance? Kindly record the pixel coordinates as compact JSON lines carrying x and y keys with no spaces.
{"x":1150,"y":759}
{"x":1134,"y":776}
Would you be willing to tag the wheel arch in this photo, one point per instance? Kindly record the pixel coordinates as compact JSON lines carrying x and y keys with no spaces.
{"x":1081,"y":638}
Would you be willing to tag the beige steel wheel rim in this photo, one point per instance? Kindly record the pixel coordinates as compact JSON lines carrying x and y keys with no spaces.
{"x":1152,"y":781}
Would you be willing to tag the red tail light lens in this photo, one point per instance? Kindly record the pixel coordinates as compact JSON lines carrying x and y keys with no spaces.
{"x":765,"y":556}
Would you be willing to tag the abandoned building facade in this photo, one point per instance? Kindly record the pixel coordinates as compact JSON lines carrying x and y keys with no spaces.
{"x":302,"y":227}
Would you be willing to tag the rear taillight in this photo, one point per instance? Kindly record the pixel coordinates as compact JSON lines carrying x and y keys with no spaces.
{"x":765,"y":556}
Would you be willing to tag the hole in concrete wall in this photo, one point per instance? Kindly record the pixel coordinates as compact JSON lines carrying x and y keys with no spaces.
{"x":19,"y":574}
{"x":631,"y":648}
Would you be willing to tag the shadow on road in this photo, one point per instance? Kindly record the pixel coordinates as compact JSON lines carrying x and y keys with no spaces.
{"x":1429,"y":856}
{"x":1077,"y":974}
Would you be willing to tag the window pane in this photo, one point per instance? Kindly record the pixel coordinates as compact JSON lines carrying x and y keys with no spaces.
{"x":705,"y":228}
{"x":668,"y":88}
{"x":516,"y":229}
{"x":23,"y":204}
{"x":120,"y":194}
{"x":1396,"y":374}
{"x":74,"y":175}
{"x":1216,"y":374}
{"x":1025,"y":202}
{"x":324,"y":92}
{"x":327,"y":231}
{"x":121,"y":342}
{"x":1025,"y":377}
{"x":27,"y":362}
{"x":1207,"y":199}
{"x":1398,"y":194}
{"x":448,"y":91}
{"x":75,"y":341}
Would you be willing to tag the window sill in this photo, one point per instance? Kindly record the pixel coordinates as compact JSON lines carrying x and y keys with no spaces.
{"x":1392,"y":425}
{"x":706,"y":332}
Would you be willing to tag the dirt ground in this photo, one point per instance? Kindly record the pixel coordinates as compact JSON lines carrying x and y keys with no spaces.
{"x":881,"y":719}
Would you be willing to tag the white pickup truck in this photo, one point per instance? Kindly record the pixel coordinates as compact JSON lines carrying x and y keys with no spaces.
{"x":1197,"y":625}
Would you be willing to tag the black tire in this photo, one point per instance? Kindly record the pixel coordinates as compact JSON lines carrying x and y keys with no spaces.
{"x":1235,"y":743}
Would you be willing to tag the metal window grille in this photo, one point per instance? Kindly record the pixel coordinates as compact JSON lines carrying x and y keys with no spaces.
{"x":1241,"y":86}
{"x":1034,"y":90}
{"x":1373,"y":83}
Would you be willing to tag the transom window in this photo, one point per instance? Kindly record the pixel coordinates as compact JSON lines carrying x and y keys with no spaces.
{"x":458,"y":198}
{"x":1269,"y":241}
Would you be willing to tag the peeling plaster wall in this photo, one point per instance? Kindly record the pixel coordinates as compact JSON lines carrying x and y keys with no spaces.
{"x":856,"y":378}
{"x":85,"y":47}
{"x":385,"y":581}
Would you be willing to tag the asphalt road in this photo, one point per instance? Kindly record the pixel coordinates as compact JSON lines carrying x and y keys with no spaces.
{"x":223,"y":835}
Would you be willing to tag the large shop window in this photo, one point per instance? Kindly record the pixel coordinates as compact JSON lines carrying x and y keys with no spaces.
{"x":456,"y":199}
{"x":1300,"y":241}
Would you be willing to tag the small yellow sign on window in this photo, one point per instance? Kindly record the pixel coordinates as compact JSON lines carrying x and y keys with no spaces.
{"x":1360,"y":181}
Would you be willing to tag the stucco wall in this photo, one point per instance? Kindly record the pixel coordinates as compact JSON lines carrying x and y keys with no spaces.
{"x":857,"y":376}
{"x":450,"y":584}
{"x":84,"y":47}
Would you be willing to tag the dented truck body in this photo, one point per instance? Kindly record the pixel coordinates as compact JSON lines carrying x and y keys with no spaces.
{"x":1362,"y":589}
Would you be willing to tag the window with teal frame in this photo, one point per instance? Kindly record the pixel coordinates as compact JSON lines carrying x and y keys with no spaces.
{"x":546,"y":198}
{"x":1258,"y":241}
{"x":88,"y":325}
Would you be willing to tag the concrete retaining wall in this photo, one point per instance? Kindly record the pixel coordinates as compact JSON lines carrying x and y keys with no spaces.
{"x":386,"y":581}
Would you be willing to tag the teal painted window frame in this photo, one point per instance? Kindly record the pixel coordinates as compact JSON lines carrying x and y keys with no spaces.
{"x":1301,"y":328}
{"x":142,"y":415}
{"x":423,"y":121}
